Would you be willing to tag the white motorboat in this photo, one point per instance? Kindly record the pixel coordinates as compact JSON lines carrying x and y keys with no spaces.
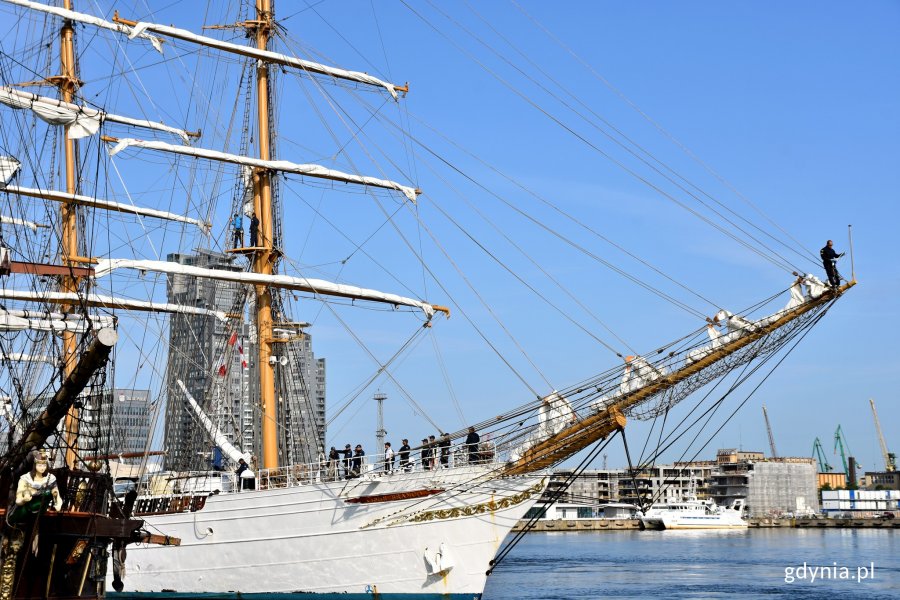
{"x":694,"y":514}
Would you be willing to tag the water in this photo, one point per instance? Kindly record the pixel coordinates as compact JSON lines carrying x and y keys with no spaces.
{"x":698,"y":564}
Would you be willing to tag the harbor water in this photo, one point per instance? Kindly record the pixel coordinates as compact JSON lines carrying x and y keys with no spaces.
{"x":832,"y":563}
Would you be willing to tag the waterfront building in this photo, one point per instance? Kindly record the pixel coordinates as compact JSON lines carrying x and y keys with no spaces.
{"x":132,"y":415}
{"x":768,"y":487}
{"x":881,"y":480}
{"x":831,"y":480}
{"x":861,"y":503}
{"x":660,"y":483}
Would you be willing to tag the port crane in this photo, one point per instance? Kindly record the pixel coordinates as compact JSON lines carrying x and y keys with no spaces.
{"x":819,"y":454}
{"x":769,"y":430}
{"x":890,"y":459}
{"x":840,"y":442}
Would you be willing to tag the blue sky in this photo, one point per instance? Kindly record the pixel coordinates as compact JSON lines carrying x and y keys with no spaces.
{"x":793,"y":104}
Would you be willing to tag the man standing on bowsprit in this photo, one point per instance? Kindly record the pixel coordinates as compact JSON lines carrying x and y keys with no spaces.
{"x":829,"y":261}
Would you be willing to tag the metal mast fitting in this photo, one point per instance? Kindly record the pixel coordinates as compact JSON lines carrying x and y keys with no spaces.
{"x":380,"y":433}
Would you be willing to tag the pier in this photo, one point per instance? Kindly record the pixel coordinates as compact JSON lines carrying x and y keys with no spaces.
{"x":546,"y":525}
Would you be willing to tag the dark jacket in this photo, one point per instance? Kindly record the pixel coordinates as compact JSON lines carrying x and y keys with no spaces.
{"x":358,"y":461}
{"x":404,"y":454}
{"x":827,"y":253}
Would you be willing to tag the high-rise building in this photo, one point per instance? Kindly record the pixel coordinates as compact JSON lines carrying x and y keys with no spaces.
{"x":128,"y":413}
{"x":218,"y":367}
{"x":131,"y":420}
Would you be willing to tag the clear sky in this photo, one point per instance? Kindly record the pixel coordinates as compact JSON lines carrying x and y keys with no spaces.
{"x":793,"y":106}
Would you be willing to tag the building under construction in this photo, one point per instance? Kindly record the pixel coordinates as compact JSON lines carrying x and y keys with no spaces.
{"x":768,"y":486}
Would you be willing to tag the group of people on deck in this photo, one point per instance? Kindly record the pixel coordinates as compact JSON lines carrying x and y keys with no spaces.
{"x":347,"y":463}
{"x":434,"y":454}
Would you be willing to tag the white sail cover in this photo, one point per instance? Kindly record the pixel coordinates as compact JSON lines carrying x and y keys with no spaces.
{"x":108,"y":302}
{"x":8,"y":167}
{"x":315,"y":286}
{"x":107,"y":205}
{"x":21,"y":357}
{"x":218,"y":437}
{"x":266,"y":56}
{"x":82,"y":121}
{"x":15,"y":320}
{"x":88,"y":19}
{"x":141,"y":29}
{"x":276,"y":165}
{"x":14,"y":221}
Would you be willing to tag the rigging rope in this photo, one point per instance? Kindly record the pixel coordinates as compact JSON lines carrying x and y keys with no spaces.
{"x":527,"y":99}
{"x":809,"y":254}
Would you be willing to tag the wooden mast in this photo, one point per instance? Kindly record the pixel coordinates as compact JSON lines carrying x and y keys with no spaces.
{"x":264,"y":257}
{"x":68,"y":83}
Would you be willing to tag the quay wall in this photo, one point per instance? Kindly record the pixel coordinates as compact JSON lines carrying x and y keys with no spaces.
{"x":545,"y":525}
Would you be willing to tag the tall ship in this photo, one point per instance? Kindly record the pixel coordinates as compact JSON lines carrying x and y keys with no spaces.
{"x":150,"y":176}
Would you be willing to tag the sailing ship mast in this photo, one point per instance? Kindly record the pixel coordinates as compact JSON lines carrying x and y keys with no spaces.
{"x":264,"y":255}
{"x":264,"y":258}
{"x":68,"y":83}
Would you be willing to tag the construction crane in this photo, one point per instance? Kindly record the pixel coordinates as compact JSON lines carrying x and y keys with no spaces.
{"x":890,"y":459}
{"x":769,"y":430}
{"x":819,"y":454}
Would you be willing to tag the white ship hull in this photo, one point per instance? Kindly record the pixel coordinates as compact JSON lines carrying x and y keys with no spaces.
{"x":693,"y":523}
{"x":693,"y":514}
{"x":309,"y":539}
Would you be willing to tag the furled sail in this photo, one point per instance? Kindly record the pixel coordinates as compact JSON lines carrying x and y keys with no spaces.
{"x":140,"y":29}
{"x":87,"y":19}
{"x":215,"y":433}
{"x":106,"y":205}
{"x":14,"y":221}
{"x":107,"y":302}
{"x":20,"y":320}
{"x":277,"y":165}
{"x":315,"y":286}
{"x":82,"y":121}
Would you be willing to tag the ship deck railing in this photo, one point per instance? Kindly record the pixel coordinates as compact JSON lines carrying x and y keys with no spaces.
{"x":158,"y":489}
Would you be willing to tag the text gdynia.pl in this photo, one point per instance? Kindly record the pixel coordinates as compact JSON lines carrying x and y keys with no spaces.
{"x":811,"y":573}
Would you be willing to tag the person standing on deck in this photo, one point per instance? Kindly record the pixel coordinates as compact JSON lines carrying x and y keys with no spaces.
{"x":426,"y":454}
{"x":445,"y":450}
{"x":404,"y":455}
{"x":829,"y":261}
{"x":358,"y":458}
{"x":333,"y":458}
{"x":433,"y":455}
{"x":237,"y":223}
{"x":388,"y":458}
{"x":472,"y":441}
{"x":348,"y":461}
